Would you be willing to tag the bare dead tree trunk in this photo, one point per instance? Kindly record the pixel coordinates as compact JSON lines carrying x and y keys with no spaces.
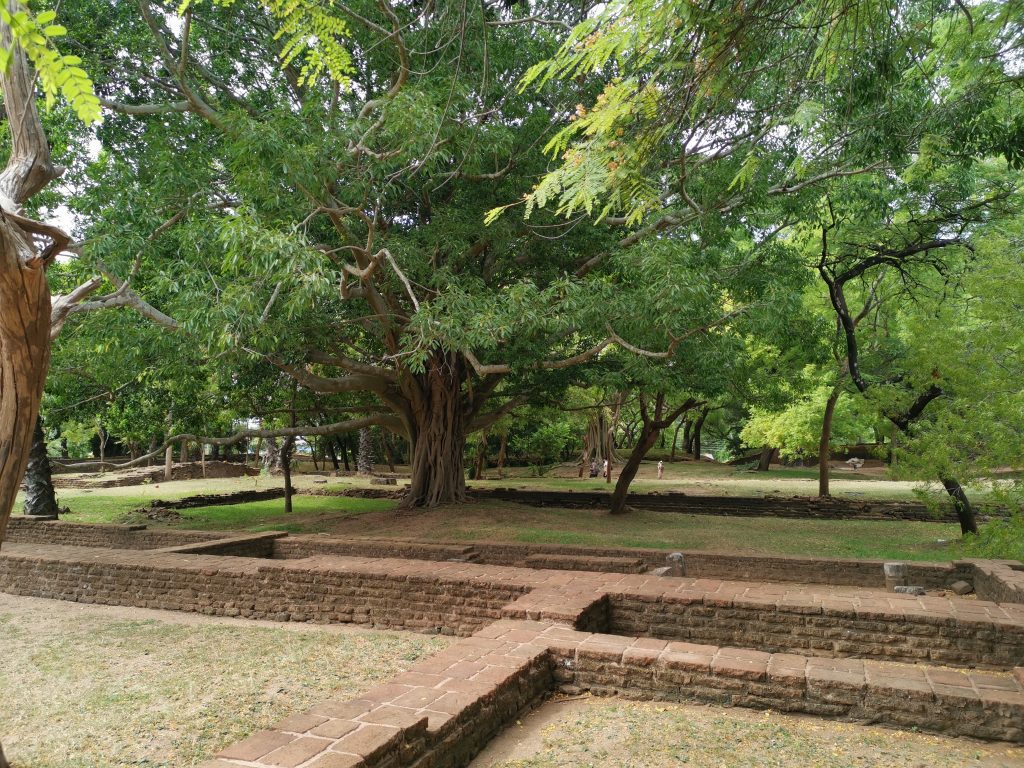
{"x":40,"y":498}
{"x":824,"y":444}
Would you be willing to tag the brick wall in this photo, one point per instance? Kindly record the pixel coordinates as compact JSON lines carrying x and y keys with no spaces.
{"x":849,"y":572}
{"x":23,"y":531}
{"x":828,"y":629}
{"x":977,"y":704}
{"x":227,"y":586}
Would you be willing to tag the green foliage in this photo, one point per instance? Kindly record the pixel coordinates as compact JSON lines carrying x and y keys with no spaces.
{"x":998,"y":539}
{"x":311,"y":31}
{"x":796,"y":430}
{"x":59,"y":74}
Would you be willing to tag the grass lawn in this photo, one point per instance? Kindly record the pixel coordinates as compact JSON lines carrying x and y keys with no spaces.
{"x":501,"y":521}
{"x":102,"y":687}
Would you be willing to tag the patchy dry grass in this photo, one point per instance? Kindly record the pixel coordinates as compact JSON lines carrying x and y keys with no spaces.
{"x":104,"y":687}
{"x":623,"y":734}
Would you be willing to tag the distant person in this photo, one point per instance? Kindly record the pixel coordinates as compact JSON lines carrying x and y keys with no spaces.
{"x":661,"y":470}
{"x":606,"y":469}
{"x":593,"y":467}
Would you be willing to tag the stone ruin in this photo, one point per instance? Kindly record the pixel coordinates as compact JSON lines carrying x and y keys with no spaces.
{"x":832,"y":638}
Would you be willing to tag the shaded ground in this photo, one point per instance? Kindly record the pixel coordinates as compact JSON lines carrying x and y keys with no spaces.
{"x":612,"y":733}
{"x":102,"y":686}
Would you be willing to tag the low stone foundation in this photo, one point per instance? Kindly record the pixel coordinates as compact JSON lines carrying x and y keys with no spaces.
{"x":829,"y":650}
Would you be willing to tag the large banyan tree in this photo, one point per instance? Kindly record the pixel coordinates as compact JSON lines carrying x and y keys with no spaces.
{"x":334,"y":199}
{"x":330,"y":167}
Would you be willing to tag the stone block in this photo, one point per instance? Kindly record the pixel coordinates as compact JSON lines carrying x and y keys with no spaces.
{"x":961,"y":587}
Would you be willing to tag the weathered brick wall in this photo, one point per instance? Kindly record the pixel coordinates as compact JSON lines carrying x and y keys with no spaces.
{"x":299,"y":546}
{"x":23,"y":531}
{"x":879,"y":633}
{"x":849,"y":572}
{"x":242,"y":587}
{"x":741,"y":506}
{"x":977,"y":704}
{"x":259,"y":545}
{"x":1000,"y":581}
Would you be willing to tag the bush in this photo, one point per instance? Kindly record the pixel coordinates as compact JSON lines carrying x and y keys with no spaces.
{"x":998,"y":540}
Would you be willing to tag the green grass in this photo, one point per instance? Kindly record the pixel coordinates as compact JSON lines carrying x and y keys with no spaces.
{"x":667,"y":530}
{"x":500,"y":521}
{"x":270,"y":515}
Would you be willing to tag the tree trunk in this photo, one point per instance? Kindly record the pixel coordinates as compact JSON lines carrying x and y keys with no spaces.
{"x":688,"y":436}
{"x":502,"y":451}
{"x":675,"y":439}
{"x":168,"y":463}
{"x":152,"y":447}
{"x":961,"y":504}
{"x":103,"y":435}
{"x":648,"y":437}
{"x":481,"y":457}
{"x":437,"y":435}
{"x":40,"y":498}
{"x":765,"y":462}
{"x":698,"y":425}
{"x":344,"y":453}
{"x":272,"y":456}
{"x":183,"y":452}
{"x":286,"y":467}
{"x":333,"y":454}
{"x":389,"y":455}
{"x":364,"y":460}
{"x":24,"y":352}
{"x":824,"y":445}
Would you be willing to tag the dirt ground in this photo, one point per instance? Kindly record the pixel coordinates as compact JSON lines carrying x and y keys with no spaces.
{"x":612,"y":733}
{"x":89,"y":686}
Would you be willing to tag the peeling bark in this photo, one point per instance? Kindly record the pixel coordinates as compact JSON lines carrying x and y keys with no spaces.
{"x":24,"y":294}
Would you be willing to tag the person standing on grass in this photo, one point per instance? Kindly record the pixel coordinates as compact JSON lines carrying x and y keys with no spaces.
{"x":661,"y":470}
{"x":606,"y":468}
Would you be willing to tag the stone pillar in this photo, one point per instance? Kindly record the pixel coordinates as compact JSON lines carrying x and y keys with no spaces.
{"x":895,"y":575}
